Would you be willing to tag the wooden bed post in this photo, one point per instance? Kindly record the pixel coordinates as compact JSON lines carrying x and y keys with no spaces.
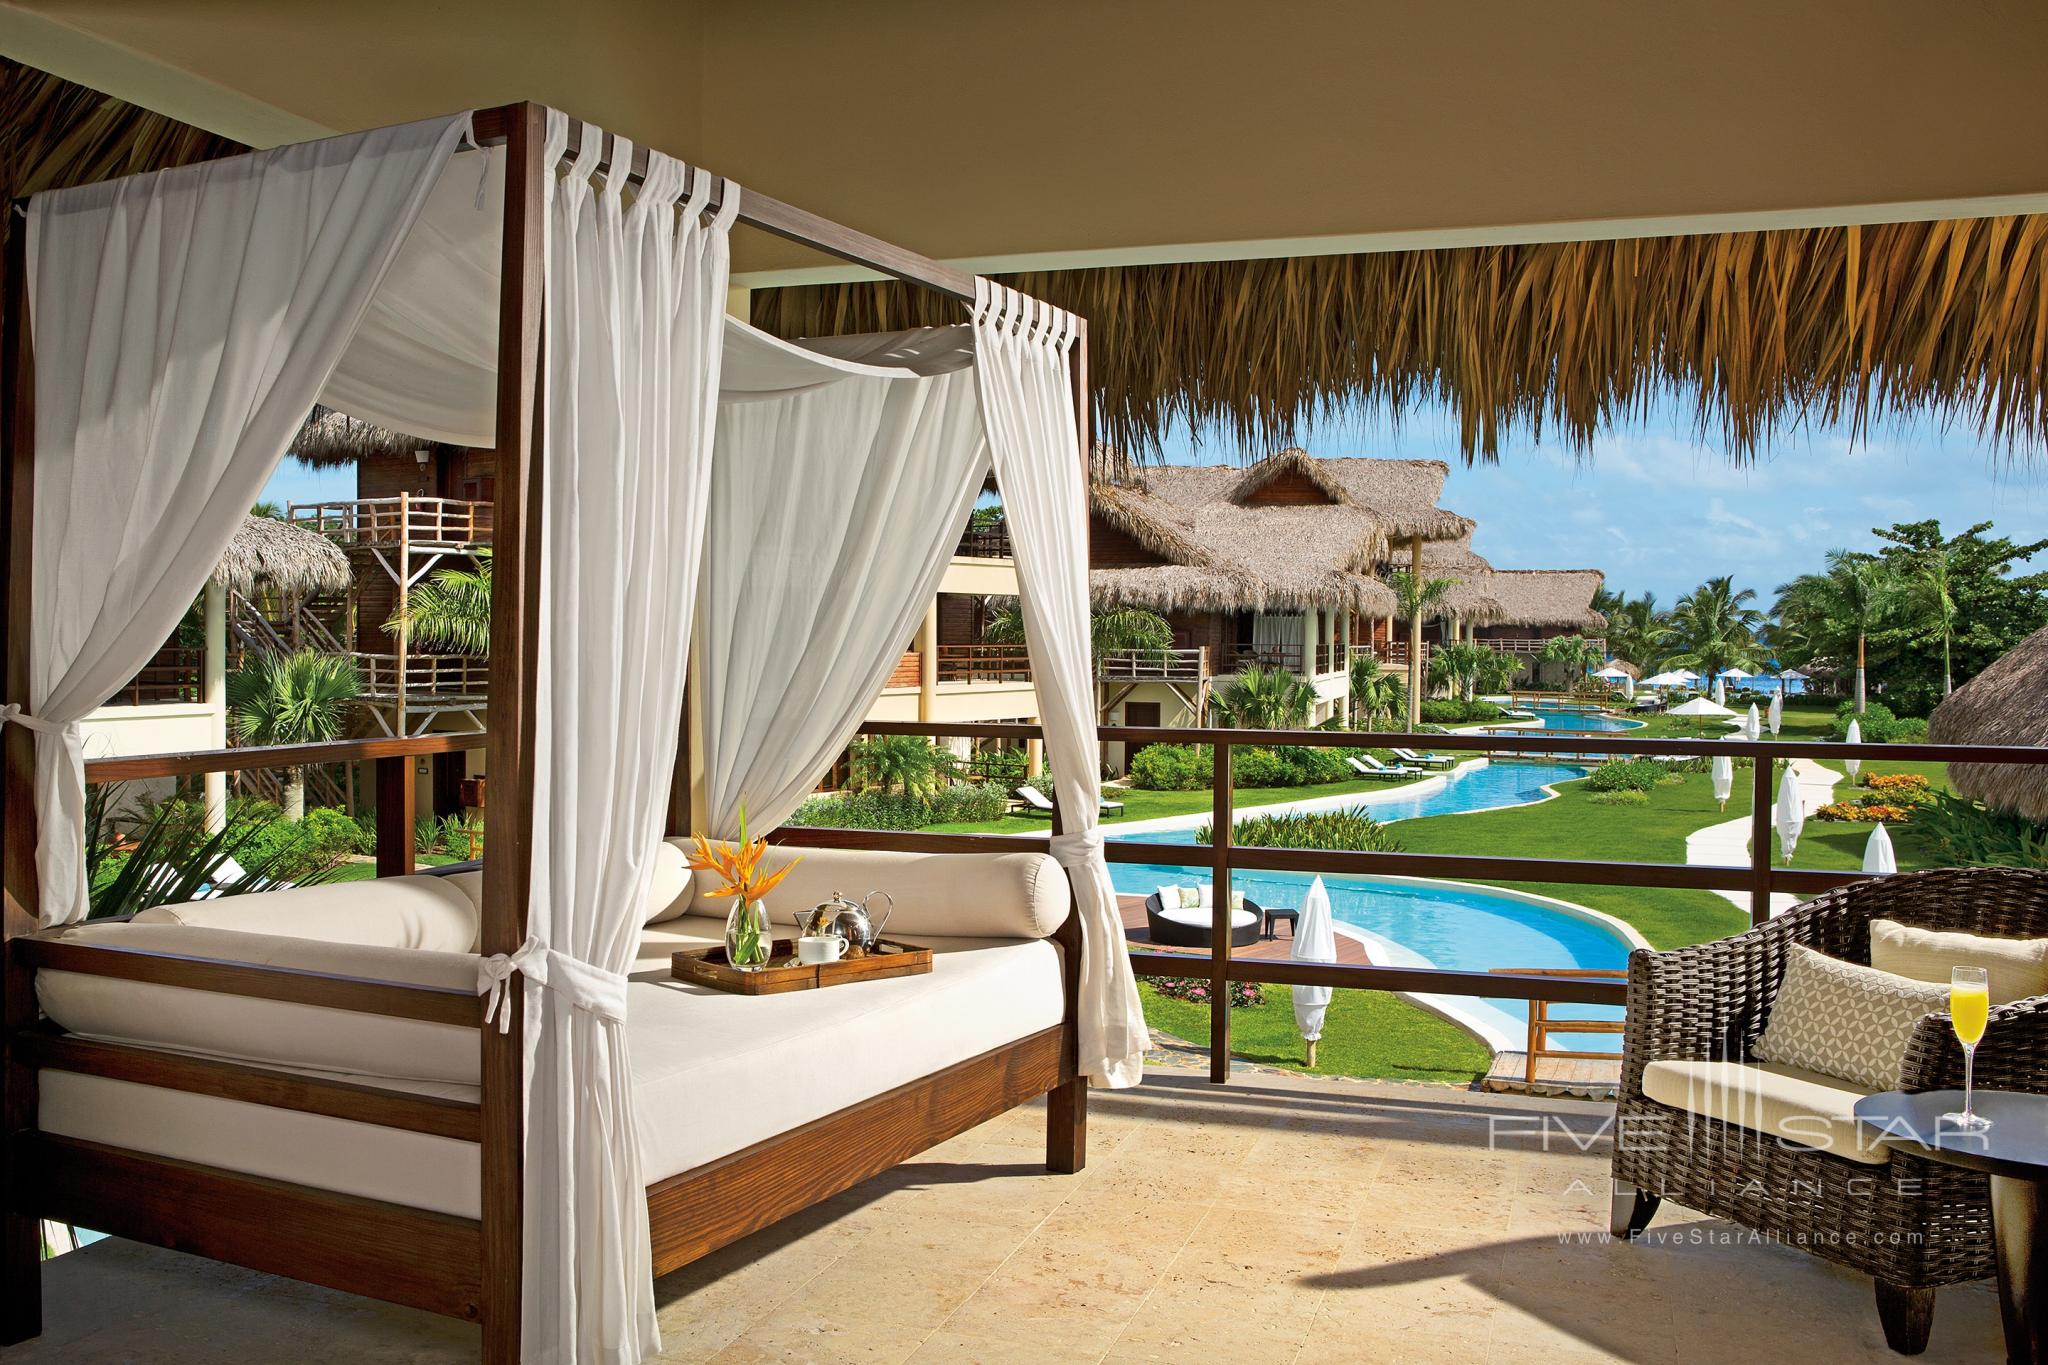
{"x":515,"y":633}
{"x":1066,"y":1104}
{"x":21,"y":1241}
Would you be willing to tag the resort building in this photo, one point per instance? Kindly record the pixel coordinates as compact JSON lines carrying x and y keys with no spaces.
{"x":1283,"y":565}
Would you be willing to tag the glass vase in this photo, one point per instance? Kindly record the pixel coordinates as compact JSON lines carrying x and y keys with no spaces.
{"x":748,"y":939}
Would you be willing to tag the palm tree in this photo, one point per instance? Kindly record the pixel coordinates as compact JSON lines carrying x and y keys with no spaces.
{"x":1714,"y":628}
{"x":451,"y":611}
{"x":910,"y":764}
{"x":1495,"y":671}
{"x":1377,"y":695}
{"x":1579,"y":656}
{"x":1456,"y":668}
{"x":299,"y":698}
{"x":1111,"y":630}
{"x":1265,"y":699}
{"x":1415,"y":598}
{"x":1635,"y":628}
{"x":1931,"y":593}
{"x":1847,"y":603}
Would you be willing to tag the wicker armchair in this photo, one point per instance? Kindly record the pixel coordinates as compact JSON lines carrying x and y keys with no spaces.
{"x":1912,"y":1224}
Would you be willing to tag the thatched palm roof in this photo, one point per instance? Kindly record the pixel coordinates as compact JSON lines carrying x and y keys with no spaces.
{"x":2005,"y":704}
{"x":286,"y":557}
{"x":335,"y":440}
{"x":1757,"y":332}
{"x":1488,"y":596}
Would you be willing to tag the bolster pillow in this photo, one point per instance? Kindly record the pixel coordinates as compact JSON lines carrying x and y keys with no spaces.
{"x":438,"y":914}
{"x":273,"y":1032}
{"x":943,"y":895}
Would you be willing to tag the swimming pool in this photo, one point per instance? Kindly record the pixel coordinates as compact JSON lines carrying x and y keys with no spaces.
{"x":1555,"y":717}
{"x":1416,"y":922}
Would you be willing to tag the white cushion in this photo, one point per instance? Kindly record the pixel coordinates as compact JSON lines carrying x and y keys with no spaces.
{"x":956,"y":895}
{"x":267,"y":1031}
{"x":1205,"y":916}
{"x":438,"y":914}
{"x":2017,"y":967}
{"x":1205,"y":895}
{"x":673,"y":889}
{"x":1806,"y":1108}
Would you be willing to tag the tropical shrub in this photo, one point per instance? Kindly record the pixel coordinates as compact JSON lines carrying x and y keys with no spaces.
{"x":906,"y":764}
{"x":956,"y":803}
{"x":1971,"y":835}
{"x":1350,"y":829}
{"x":1623,"y":796}
{"x":1877,"y":724}
{"x":1195,"y":990}
{"x":323,"y":838}
{"x":1171,"y":767}
{"x":1264,"y":699}
{"x":1625,"y":774}
{"x":1899,"y":786}
{"x":164,"y":855}
{"x":1252,"y":767}
{"x":1441,"y":711}
{"x":299,"y":698}
{"x":1306,"y":767}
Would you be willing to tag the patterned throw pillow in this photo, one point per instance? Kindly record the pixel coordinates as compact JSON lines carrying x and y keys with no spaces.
{"x":1845,"y":1020}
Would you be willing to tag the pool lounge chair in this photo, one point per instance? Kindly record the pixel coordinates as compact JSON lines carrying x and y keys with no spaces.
{"x":1191,"y":927}
{"x":1365,"y":765}
{"x":1425,"y":760}
{"x":1036,"y":800}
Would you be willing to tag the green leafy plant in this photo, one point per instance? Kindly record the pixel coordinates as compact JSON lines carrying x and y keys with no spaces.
{"x":1416,"y":599}
{"x":1625,"y":774}
{"x":1627,"y":796}
{"x":427,"y":836}
{"x":1171,"y":767}
{"x":1714,"y":629}
{"x":1352,"y":828}
{"x":1195,"y":990}
{"x":956,"y":803}
{"x":1264,"y":699}
{"x":1969,"y":834}
{"x":1441,"y":711}
{"x":909,"y":764}
{"x":299,"y":698}
{"x":1378,"y":695}
{"x":450,"y":611}
{"x":165,"y":855}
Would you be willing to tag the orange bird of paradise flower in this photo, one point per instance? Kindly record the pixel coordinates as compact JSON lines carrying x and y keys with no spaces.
{"x":738,"y":867}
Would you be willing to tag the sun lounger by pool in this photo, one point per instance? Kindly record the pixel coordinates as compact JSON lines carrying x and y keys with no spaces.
{"x":1037,"y":801}
{"x":1365,"y":765}
{"x":1425,"y":760}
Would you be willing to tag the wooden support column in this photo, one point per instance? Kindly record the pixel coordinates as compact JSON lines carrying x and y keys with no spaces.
{"x":1760,"y":841}
{"x":1221,"y":829}
{"x":515,"y":641}
{"x":396,"y":806}
{"x":21,"y":1241}
{"x":1415,"y":673}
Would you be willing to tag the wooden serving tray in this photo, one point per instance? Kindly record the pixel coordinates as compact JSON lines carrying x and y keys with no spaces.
{"x":708,"y":967}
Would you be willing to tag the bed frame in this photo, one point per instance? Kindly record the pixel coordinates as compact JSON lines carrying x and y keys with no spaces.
{"x":465,"y":1268}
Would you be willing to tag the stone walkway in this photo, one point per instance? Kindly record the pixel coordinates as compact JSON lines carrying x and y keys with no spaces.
{"x":1727,"y":844}
{"x":1276,"y":1219}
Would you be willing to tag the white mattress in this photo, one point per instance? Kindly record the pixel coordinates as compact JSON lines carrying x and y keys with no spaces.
{"x":712,"y":1073}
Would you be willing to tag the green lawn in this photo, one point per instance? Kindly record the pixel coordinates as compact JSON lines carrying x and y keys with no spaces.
{"x":1145,"y":805}
{"x":1365,"y":1033}
{"x":365,"y":870}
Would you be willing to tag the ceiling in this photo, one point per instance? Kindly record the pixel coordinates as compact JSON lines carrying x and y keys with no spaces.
{"x":1070,"y":132}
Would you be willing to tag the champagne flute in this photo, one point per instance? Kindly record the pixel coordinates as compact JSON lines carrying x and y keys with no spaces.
{"x":1969,"y":1010}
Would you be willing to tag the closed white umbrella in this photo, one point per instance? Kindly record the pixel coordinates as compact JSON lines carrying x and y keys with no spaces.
{"x":1878,"y":859}
{"x":1628,"y":686}
{"x":1724,"y":779}
{"x":1720,"y":691}
{"x":1852,"y":766}
{"x":1789,"y":815}
{"x":1315,"y":940}
{"x":1752,"y":725}
{"x":1777,"y":717}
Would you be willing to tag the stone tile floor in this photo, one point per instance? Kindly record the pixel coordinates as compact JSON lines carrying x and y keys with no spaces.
{"x":1279,"y":1218}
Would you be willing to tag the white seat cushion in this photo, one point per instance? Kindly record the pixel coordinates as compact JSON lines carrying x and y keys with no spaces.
{"x":1806,"y":1108}
{"x":950,"y":895}
{"x":438,"y":914}
{"x":1206,"y":915}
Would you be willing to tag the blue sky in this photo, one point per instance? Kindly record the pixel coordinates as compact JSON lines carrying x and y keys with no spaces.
{"x":1658,"y":509}
{"x":1651,"y":505}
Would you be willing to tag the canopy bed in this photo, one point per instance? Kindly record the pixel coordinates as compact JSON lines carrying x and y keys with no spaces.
{"x":482,"y":1094}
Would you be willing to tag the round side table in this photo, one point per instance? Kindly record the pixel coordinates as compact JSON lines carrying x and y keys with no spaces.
{"x":2013,"y":1151}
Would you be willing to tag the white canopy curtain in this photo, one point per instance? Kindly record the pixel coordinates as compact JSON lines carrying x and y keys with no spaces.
{"x":838,"y":491}
{"x":634,"y":298}
{"x":1026,"y":381}
{"x":183,"y":323}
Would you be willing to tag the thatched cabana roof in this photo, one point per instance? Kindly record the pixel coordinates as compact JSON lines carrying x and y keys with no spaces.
{"x":2005,"y":704}
{"x":1227,"y":550}
{"x":286,"y":557}
{"x":1756,"y":332}
{"x":1488,"y":596}
{"x":335,"y":440}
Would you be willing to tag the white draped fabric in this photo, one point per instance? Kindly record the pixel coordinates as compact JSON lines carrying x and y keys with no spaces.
{"x":635,"y":296}
{"x":837,"y":494}
{"x":183,"y":323}
{"x":1026,"y":382}
{"x":1315,"y":940}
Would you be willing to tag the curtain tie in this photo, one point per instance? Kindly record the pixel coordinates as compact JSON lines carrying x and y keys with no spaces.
{"x":585,"y":987}
{"x":64,"y":729}
{"x":1077,"y":850}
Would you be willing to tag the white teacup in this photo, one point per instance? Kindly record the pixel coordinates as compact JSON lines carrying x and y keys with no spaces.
{"x":815,"y":952}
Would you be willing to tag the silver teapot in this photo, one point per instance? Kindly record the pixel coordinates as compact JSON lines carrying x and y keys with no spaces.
{"x":840,"y":917}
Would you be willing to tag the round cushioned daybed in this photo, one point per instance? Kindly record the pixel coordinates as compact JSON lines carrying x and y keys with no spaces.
{"x":1190,"y":928}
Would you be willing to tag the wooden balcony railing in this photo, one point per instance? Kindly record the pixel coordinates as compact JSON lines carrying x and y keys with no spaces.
{"x":1288,"y":658}
{"x":986,"y":542}
{"x":427,"y":676}
{"x":424,"y":522}
{"x":983,"y":663}
{"x":1164,"y":665}
{"x":174,"y":673}
{"x":1759,"y":878}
